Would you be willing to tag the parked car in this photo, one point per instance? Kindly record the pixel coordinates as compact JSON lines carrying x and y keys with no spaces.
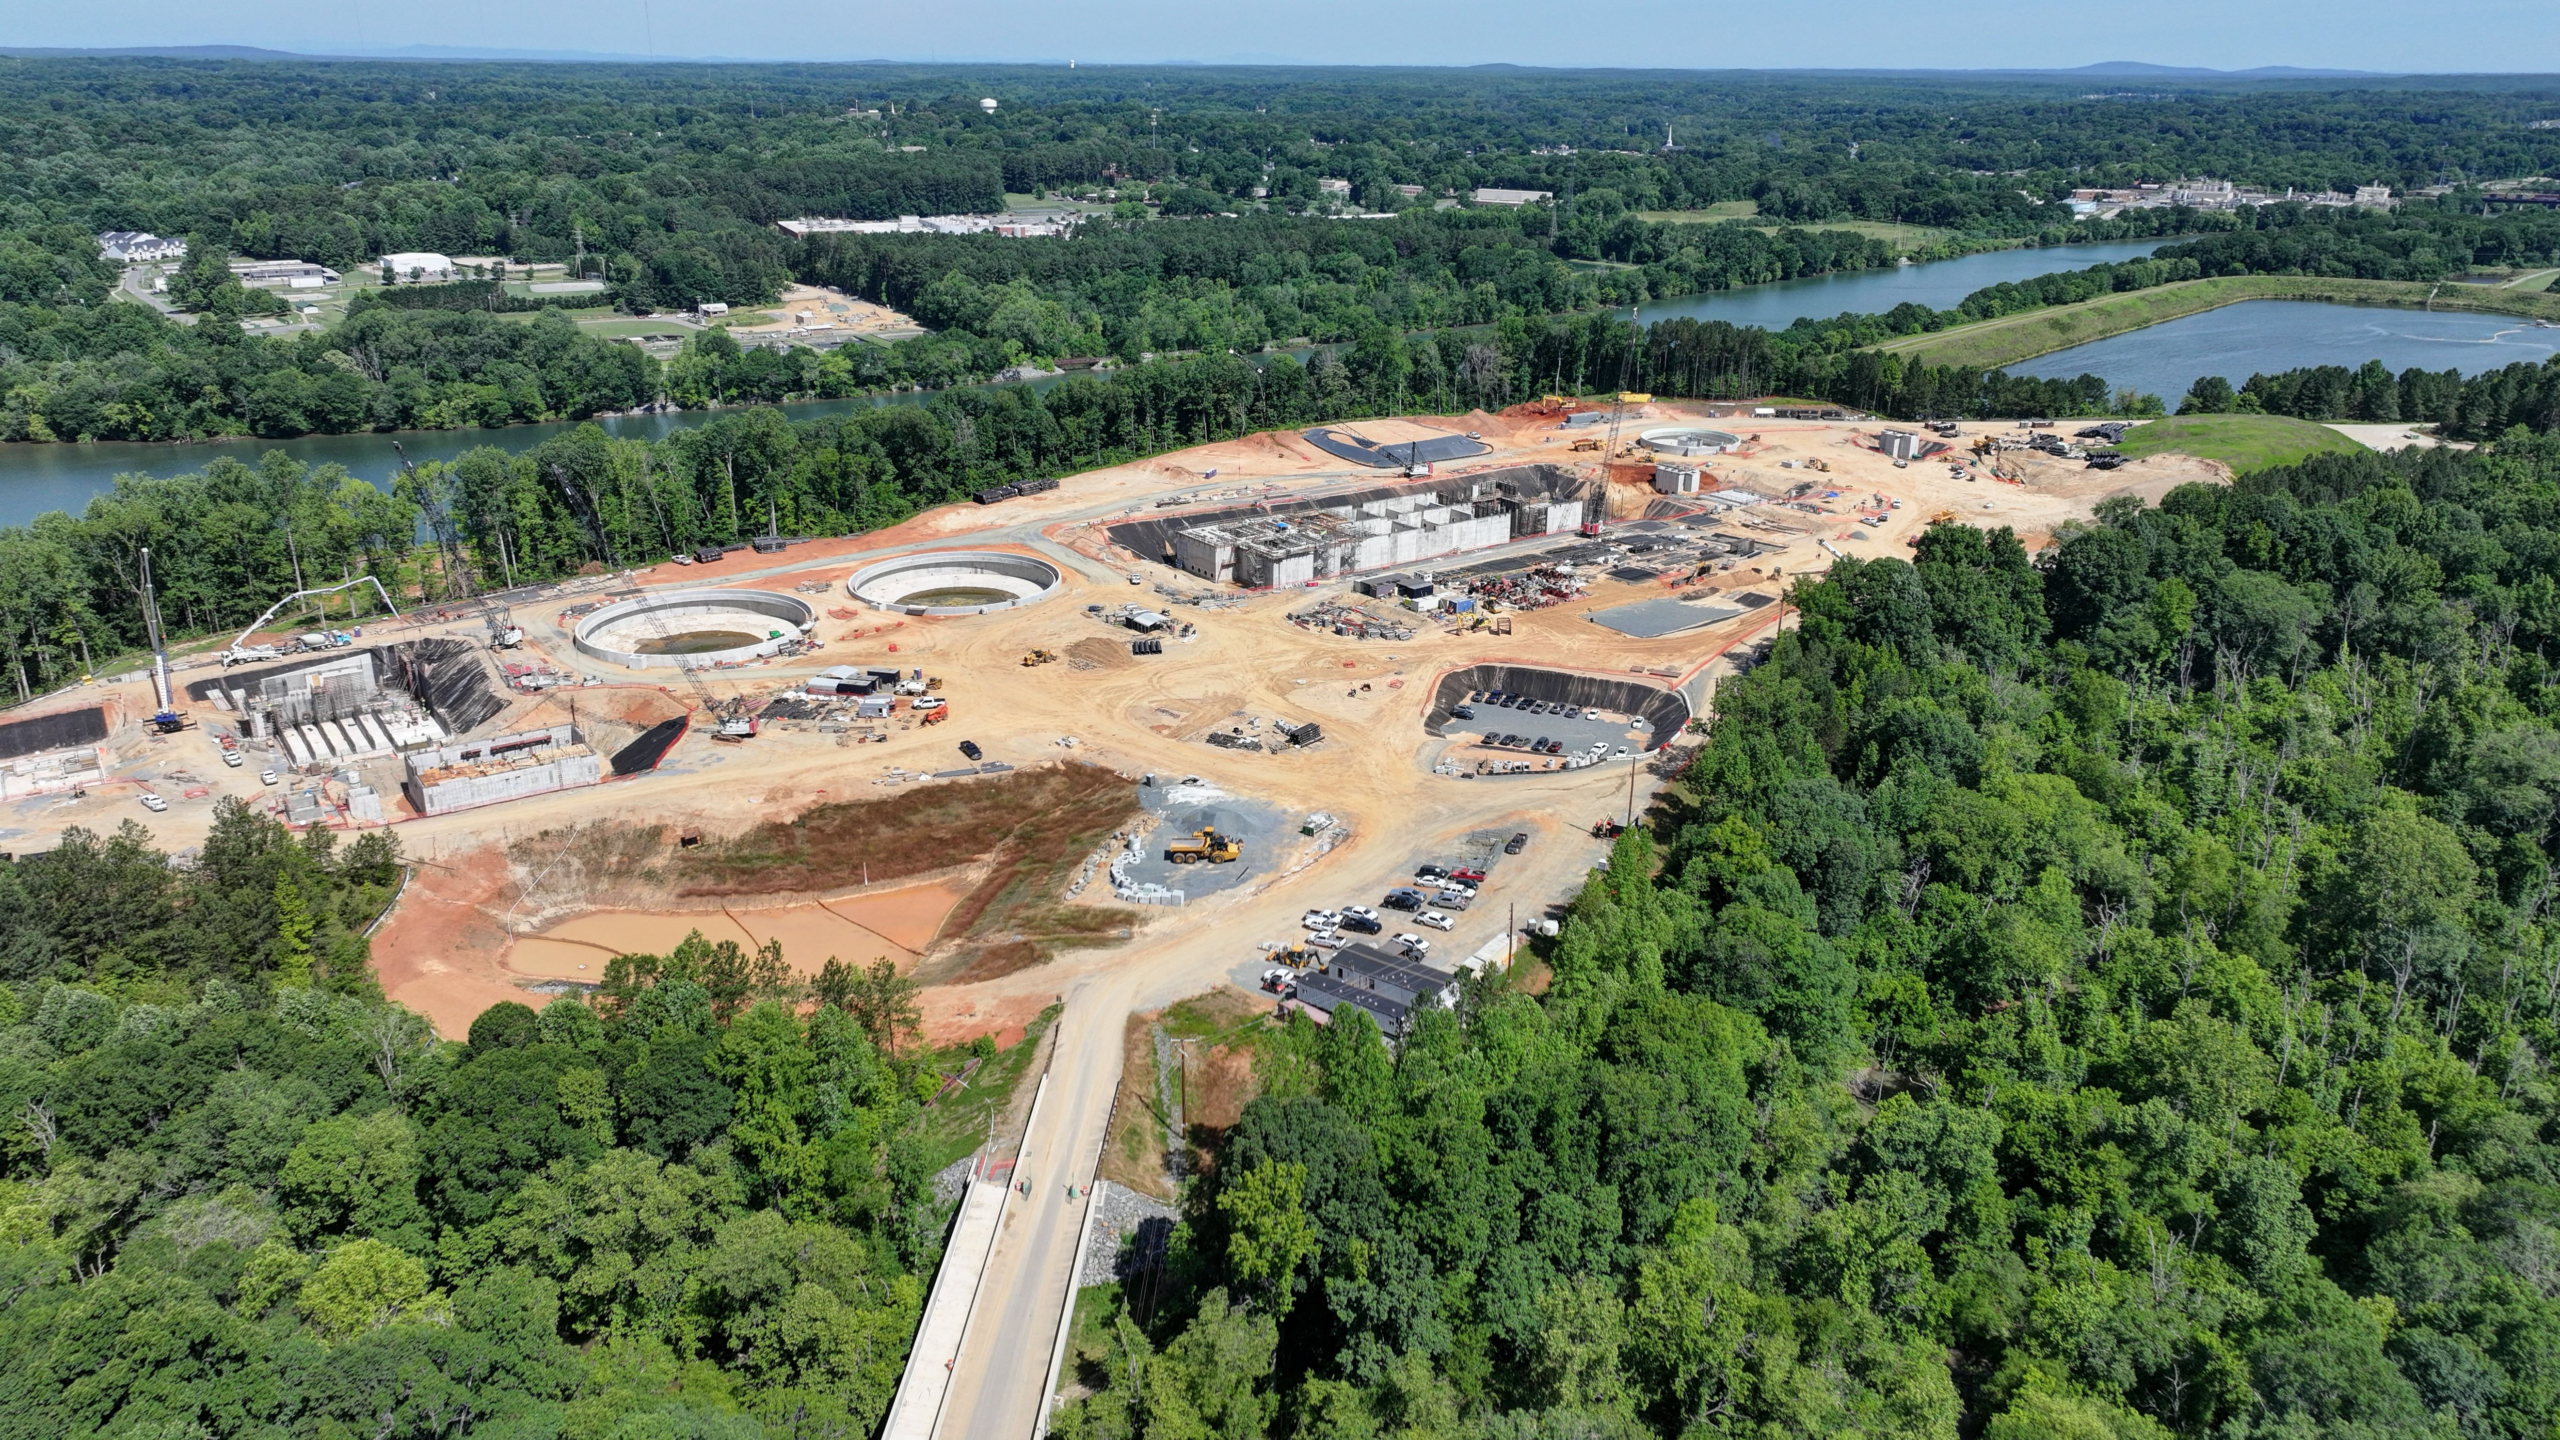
{"x":1430,"y":872}
{"x":1362,"y":911}
{"x":1403,"y":900}
{"x":1454,"y":899}
{"x":1467,"y":873}
{"x":153,"y":803}
{"x":970,"y":749}
{"x":1320,"y":919}
{"x":1326,"y":940}
{"x":1462,"y":712}
{"x":1360,"y":925}
{"x":231,"y":758}
{"x":266,"y":777}
{"x":1591,"y":714}
{"x":1518,"y":843}
{"x":1538,"y":746}
{"x":1436,"y":920}
{"x":1410,"y":941}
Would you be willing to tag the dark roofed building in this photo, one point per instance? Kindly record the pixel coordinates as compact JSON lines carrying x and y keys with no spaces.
{"x":1323,"y":996}
{"x":1382,"y":972}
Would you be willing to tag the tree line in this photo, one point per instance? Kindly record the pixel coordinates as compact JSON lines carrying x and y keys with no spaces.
{"x":246,"y":1196}
{"x":2105,"y":993}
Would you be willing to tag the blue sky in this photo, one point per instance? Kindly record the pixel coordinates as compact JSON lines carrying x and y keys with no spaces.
{"x":2385,"y":35}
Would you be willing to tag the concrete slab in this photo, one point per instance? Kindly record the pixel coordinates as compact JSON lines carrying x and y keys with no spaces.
{"x":1653,"y":619}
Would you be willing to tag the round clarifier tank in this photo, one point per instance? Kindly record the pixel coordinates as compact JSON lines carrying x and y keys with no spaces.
{"x":954,"y":582}
{"x":693,"y":628}
{"x":1688,"y":441}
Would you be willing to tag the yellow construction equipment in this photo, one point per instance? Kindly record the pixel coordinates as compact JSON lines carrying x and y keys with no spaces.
{"x":1206,"y":845}
{"x":1586,"y":444}
{"x":1037,"y":657}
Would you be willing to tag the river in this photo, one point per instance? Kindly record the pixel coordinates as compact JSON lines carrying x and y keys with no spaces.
{"x":38,"y":478}
{"x":2256,"y":336}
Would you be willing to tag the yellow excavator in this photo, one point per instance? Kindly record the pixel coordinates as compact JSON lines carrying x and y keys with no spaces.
{"x":1037,"y":657}
{"x":1206,"y":845}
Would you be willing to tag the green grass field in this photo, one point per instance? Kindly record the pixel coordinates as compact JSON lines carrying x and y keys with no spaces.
{"x":2243,"y":442}
{"x":1989,"y":344}
{"x":1901,"y":237}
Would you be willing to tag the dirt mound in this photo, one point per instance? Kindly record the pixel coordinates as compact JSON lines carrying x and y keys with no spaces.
{"x":1096,"y":653}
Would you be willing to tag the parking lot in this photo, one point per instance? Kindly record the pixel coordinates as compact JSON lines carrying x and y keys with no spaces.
{"x":1470,"y":928}
{"x":1480,"y":738}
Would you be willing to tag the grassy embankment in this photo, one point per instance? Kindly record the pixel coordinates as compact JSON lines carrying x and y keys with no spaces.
{"x":2243,"y":442}
{"x":1900,"y":237}
{"x":1990,"y":344}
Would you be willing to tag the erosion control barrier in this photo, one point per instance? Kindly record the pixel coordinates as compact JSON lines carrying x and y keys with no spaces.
{"x":1666,"y":711}
{"x":448,"y":678}
{"x":651,"y":748}
{"x":53,"y":732}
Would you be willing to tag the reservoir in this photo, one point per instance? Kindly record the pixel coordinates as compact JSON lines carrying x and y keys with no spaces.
{"x":1938,"y":285}
{"x":38,"y":478}
{"x":2267,"y":336}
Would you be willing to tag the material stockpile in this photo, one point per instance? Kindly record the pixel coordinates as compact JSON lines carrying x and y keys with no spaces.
{"x":1532,"y":590}
{"x":1354,"y":621}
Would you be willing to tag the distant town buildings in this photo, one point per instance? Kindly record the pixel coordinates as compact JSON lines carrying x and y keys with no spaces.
{"x":1331,"y":186}
{"x":1492,"y":195}
{"x":2209,"y":194}
{"x":1018,"y":225}
{"x":135,"y":247}
{"x":417,"y":267}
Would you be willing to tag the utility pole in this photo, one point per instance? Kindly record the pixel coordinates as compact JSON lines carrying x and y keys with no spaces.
{"x":1511,"y":936}
{"x":1633,"y":760}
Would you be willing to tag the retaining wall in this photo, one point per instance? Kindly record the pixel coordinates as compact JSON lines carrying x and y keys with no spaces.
{"x":1665,"y":710}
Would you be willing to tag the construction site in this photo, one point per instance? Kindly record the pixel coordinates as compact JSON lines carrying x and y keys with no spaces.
{"x":1187,"y":699}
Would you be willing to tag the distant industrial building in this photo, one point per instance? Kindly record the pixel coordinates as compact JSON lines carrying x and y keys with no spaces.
{"x":134,"y":247}
{"x":1492,"y":195}
{"x":1017,"y":225}
{"x":466,"y":773}
{"x":417,"y":267}
{"x":284,"y":274}
{"x":1266,"y":551}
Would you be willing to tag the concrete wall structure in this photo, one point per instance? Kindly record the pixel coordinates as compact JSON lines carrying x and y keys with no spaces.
{"x":1027,"y":579}
{"x":503,"y":767}
{"x":602,"y":633}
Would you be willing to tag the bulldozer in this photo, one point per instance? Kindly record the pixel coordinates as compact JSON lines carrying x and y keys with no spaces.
{"x":1037,"y":657}
{"x":1206,"y":845}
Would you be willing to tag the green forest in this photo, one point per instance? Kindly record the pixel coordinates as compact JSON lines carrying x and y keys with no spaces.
{"x":2108,"y":994}
{"x":664,"y":182}
{"x":242,"y":1195}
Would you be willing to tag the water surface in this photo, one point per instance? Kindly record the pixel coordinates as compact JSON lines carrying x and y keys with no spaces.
{"x":2268,"y":336}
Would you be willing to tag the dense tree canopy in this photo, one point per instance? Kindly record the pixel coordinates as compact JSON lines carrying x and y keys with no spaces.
{"x":2106,"y":993}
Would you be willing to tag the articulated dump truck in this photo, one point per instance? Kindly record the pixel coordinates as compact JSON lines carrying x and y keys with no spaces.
{"x":1206,"y":845}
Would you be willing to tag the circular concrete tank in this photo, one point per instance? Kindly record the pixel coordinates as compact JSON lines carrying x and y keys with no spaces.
{"x":954,"y":582}
{"x":693,"y":628}
{"x":1688,"y":441}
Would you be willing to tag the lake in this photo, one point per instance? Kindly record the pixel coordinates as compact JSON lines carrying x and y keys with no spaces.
{"x":2267,"y":336}
{"x":37,"y":478}
{"x":1938,"y":285}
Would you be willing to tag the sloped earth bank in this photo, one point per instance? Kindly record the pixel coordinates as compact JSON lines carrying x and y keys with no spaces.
{"x":966,"y":880}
